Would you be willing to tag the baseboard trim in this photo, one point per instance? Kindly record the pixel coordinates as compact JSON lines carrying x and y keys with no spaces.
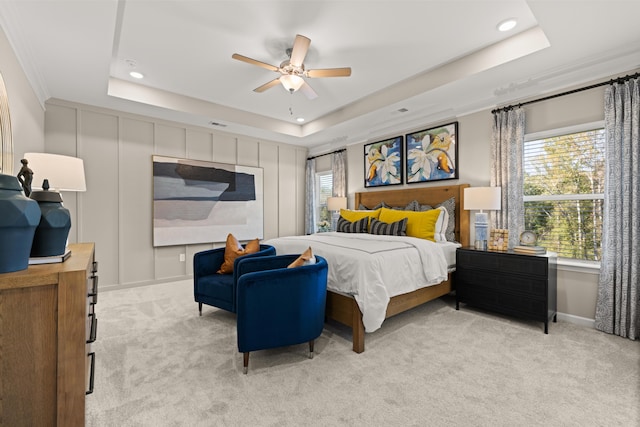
{"x":577,"y":320}
{"x":144,"y":283}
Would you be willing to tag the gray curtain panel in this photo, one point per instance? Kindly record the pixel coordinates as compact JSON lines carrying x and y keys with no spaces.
{"x":310,"y":197}
{"x":339,"y":169}
{"x":618,"y":303}
{"x":507,"y":145}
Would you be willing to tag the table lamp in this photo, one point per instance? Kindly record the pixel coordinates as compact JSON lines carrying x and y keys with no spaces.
{"x":481,"y":199}
{"x":334,"y":204}
{"x":53,"y":173}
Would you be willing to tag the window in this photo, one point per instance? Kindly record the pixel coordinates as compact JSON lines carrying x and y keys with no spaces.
{"x":564,"y":175}
{"x":324,"y":190}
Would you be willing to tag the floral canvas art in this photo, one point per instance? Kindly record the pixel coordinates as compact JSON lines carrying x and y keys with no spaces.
{"x":383,"y":162}
{"x":432,"y":154}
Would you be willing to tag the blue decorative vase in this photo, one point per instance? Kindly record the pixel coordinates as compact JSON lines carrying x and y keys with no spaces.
{"x":18,"y":221}
{"x":50,"y":238}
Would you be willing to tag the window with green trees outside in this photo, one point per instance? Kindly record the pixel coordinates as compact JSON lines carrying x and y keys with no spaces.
{"x":324,"y":189}
{"x":564,"y":191}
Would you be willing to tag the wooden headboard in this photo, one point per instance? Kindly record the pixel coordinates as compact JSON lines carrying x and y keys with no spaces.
{"x":425,"y":196}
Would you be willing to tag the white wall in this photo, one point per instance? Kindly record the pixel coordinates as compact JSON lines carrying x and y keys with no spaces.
{"x":116,"y":211}
{"x":27,"y":114}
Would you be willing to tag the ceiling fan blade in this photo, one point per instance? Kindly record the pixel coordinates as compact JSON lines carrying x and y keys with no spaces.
{"x":266,"y":86}
{"x":308,"y":91}
{"x":329,"y":72}
{"x":254,"y":62}
{"x":299,"y":51}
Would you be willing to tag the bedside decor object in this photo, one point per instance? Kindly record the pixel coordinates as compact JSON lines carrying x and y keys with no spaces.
{"x":482,"y":198}
{"x":334,"y":204}
{"x":499,"y":239}
{"x":528,"y":240}
{"x":432,"y":154}
{"x":18,"y":222}
{"x":61,"y":173}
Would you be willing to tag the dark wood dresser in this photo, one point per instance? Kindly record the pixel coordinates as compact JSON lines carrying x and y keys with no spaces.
{"x":508,"y":283}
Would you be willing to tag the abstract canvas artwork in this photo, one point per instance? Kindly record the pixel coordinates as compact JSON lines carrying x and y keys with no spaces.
{"x":197,"y":201}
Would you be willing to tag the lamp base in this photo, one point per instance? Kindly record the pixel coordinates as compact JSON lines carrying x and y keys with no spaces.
{"x":481,"y":245}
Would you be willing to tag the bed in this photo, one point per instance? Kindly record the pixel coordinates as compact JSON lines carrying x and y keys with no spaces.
{"x":342,"y":306}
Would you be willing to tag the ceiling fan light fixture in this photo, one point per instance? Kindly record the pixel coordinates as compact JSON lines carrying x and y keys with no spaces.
{"x":291,"y":82}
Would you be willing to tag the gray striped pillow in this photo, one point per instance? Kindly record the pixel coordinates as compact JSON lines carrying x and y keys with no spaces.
{"x":359,"y":226}
{"x":398,"y":228}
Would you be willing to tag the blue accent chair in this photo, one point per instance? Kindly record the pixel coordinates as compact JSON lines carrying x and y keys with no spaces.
{"x":218,"y":290}
{"x":279,"y":306}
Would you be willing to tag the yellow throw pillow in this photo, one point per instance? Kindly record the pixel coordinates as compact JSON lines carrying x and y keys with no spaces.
{"x":419,"y":224}
{"x":233,"y":250}
{"x":353,"y":216}
{"x":305,"y":258}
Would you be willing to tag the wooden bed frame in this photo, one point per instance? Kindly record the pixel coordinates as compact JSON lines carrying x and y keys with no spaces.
{"x":344,"y":309}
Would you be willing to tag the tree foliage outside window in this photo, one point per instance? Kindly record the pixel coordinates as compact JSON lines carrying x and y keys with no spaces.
{"x":324,"y":182}
{"x":564,"y":192}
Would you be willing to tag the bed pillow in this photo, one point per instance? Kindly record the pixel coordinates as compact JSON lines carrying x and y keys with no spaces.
{"x":233,"y":250}
{"x":441,"y":225}
{"x":450,"y":206}
{"x":378,"y":206}
{"x":346,"y":226}
{"x":398,"y":228}
{"x":306,"y":258}
{"x":351,"y":215}
{"x":419,"y":224}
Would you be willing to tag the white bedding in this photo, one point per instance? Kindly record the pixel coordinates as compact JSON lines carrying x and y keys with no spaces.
{"x":372,"y":268}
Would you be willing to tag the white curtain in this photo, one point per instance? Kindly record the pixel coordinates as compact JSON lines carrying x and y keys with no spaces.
{"x":506,"y":171}
{"x":618,"y":303}
{"x":310,"y":197}
{"x":339,"y":170}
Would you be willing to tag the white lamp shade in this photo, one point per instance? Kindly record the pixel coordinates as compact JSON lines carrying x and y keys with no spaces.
{"x":336,"y":203}
{"x":64,"y":173}
{"x":482,"y":198}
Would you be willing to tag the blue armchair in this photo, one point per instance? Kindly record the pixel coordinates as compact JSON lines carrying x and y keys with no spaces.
{"x":218,"y":290}
{"x":279,"y":306}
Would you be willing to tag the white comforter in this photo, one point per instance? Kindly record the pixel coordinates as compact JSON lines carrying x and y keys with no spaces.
{"x":372,"y":268}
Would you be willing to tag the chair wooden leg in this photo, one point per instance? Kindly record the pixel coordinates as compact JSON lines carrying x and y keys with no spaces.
{"x":311,"y":349}
{"x":200,"y":308}
{"x":245,"y":362}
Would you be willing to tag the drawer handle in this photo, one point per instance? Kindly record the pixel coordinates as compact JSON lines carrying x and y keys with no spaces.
{"x":94,"y":267}
{"x":94,"y":328}
{"x":94,"y":289}
{"x":93,"y":370}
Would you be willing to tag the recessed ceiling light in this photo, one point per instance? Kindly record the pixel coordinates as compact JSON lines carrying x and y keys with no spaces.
{"x":136,"y":75}
{"x":300,"y":119}
{"x":507,"y":24}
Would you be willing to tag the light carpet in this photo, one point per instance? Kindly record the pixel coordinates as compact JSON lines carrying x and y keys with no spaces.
{"x":159,"y":364}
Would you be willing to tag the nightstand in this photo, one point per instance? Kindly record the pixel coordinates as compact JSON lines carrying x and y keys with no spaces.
{"x":508,"y":283}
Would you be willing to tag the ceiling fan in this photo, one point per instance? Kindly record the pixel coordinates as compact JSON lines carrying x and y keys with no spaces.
{"x":292,"y":70}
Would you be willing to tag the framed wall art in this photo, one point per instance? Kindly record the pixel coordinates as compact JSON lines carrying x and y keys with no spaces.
{"x":432,"y":154}
{"x":197,"y":201}
{"x":383,"y":162}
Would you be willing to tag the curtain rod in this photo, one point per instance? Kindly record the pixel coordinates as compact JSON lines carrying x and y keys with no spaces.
{"x":326,"y":154}
{"x":608,"y":82}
